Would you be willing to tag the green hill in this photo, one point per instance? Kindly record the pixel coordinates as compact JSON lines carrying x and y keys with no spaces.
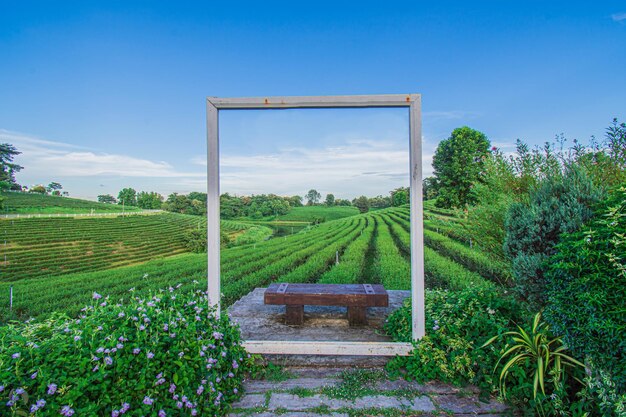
{"x":39,"y":247}
{"x":33,"y":203}
{"x":312,"y":213}
{"x":373,"y":247}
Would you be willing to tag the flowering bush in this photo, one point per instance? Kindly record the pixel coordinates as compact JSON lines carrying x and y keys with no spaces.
{"x":458,"y":323}
{"x":159,"y":356}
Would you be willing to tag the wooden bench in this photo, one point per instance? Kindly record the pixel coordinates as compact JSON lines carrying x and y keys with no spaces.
{"x":357,"y":297}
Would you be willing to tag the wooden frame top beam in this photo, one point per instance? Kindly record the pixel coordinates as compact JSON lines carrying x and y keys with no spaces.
{"x":296,"y":102}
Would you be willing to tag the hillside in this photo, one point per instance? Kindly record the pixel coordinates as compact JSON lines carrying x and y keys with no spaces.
{"x":33,"y":203}
{"x":312,"y":213}
{"x":40,"y":247}
{"x":372,"y":247}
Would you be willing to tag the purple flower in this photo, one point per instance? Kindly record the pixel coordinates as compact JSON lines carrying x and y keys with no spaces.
{"x":15,"y":355}
{"x":147,"y":400}
{"x":436,"y":327}
{"x":160,"y":381}
{"x":19,"y":391}
{"x":95,"y":368}
{"x":108,"y":360}
{"x":120,"y":346}
{"x":52,"y":388}
{"x":96,"y":296}
{"x":194,"y":412}
{"x":162,"y":413}
{"x":136,"y":351}
{"x":172,"y":388}
{"x":125,"y":407}
{"x":200,"y":390}
{"x":67,"y":411}
{"x":121,"y":315}
{"x":33,"y":376}
{"x":235,"y":391}
{"x":179,"y":404}
{"x":2,"y":388}
{"x":115,"y":413}
{"x":142,"y":327}
{"x":77,"y":338}
{"x":235,"y":365}
{"x":217,"y":335}
{"x":40,"y":403}
{"x":150,"y":355}
{"x":166,"y":327}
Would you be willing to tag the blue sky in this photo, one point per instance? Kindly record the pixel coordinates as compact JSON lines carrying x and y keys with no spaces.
{"x":103,"y":95}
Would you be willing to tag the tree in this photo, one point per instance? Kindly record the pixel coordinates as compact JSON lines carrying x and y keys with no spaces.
{"x":107,"y":199}
{"x":558,"y":205}
{"x":330,"y":200}
{"x":39,"y":189}
{"x":295,"y":201}
{"x":54,"y":186}
{"x":312,"y":197}
{"x":458,"y":164}
{"x":128,"y":197}
{"x":149,"y":200}
{"x":362,"y":203}
{"x":429,"y":188}
{"x":400,"y":196}
{"x":342,"y":202}
{"x":7,"y":167}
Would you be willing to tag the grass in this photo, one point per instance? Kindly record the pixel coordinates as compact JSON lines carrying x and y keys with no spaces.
{"x":32,"y":203}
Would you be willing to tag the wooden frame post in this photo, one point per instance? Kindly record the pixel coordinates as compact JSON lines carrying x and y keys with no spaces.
{"x":410,"y":101}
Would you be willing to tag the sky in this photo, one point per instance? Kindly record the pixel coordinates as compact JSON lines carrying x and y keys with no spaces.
{"x":105,"y":95}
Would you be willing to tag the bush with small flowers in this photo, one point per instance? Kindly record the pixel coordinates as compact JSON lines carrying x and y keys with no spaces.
{"x":165,"y":355}
{"x":458,"y":323}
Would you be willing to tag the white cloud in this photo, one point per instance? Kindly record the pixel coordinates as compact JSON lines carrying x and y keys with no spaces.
{"x":618,"y":17}
{"x":353,"y":168}
{"x":449,"y":115}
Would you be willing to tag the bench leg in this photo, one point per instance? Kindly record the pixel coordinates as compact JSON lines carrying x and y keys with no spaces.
{"x":295,"y":315}
{"x":357,"y":316}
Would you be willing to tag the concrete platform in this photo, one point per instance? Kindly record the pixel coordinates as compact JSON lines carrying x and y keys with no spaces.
{"x":258,"y":321}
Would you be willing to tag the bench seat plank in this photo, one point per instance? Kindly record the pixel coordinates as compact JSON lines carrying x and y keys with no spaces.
{"x":327,"y":295}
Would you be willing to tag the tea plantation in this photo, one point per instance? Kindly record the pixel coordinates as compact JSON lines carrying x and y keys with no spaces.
{"x":33,"y":203}
{"x":54,"y":268}
{"x":43,"y":247}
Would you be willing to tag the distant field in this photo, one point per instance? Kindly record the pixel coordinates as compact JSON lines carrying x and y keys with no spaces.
{"x":373,"y":247}
{"x":55,"y":246}
{"x":310,"y":213}
{"x":32,"y":203}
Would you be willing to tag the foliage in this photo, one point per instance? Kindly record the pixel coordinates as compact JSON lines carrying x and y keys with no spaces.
{"x":178,"y":203}
{"x":458,"y":164}
{"x":586,"y":284}
{"x":532,"y":230}
{"x":362,"y":203}
{"x":429,"y":188}
{"x":458,"y":323}
{"x":400,"y":196}
{"x":152,"y":356}
{"x":54,"y":186}
{"x":330,"y":200}
{"x":256,"y":206}
{"x":7,"y":168}
{"x":536,"y":355}
{"x":107,"y":199}
{"x":196,"y":240}
{"x":127,"y":196}
{"x":320,"y":213}
{"x":312,"y":197}
{"x":39,"y":189}
{"x":149,"y":200}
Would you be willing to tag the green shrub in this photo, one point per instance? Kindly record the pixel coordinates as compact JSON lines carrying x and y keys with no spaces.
{"x":458,"y":323}
{"x":558,"y":205}
{"x":164,"y":355}
{"x":586,"y":283}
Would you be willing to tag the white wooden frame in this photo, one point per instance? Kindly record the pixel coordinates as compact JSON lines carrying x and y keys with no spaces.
{"x":410,"y":101}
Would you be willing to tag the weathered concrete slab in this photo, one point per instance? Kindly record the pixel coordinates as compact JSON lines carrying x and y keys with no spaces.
{"x":296,"y":403}
{"x":289,"y":414}
{"x":421,"y":403}
{"x":468,"y":405}
{"x":250,"y":401}
{"x":306,"y":383}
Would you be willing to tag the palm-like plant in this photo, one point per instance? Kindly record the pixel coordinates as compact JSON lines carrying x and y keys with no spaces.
{"x":547,"y":356}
